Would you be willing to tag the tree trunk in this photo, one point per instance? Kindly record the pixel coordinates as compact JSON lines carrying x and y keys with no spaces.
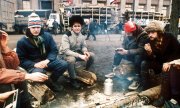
{"x":174,"y":19}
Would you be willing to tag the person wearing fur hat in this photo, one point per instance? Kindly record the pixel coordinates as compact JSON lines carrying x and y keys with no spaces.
{"x":74,"y":48}
{"x":132,"y":50}
{"x":162,"y":48}
{"x":38,"y":52}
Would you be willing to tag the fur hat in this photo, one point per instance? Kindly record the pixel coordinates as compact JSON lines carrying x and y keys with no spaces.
{"x":154,"y":26}
{"x":76,"y":18}
{"x":34,"y":20}
{"x":129,"y":27}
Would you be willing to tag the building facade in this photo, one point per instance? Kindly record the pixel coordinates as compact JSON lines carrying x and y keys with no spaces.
{"x":162,"y":6}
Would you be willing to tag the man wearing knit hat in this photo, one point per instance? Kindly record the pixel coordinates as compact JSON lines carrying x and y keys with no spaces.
{"x":132,"y":49}
{"x":162,"y":48}
{"x":38,"y":51}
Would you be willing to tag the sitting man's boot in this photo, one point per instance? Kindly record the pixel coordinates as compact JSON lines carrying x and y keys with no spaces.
{"x":75,"y":84}
{"x":134,"y":85}
{"x":159,"y":102}
{"x":53,"y":86}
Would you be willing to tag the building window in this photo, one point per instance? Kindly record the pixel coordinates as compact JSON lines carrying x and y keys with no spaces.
{"x":26,"y":5}
{"x":141,"y":7}
{"x":46,"y":4}
{"x":128,"y":7}
{"x":153,"y":8}
{"x":164,"y":10}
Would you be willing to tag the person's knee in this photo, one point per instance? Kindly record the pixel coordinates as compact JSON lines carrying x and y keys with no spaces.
{"x":64,"y":64}
{"x":33,"y":70}
{"x":92,"y":55}
{"x":71,"y":60}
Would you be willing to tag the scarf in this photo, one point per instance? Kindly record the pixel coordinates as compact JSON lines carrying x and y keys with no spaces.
{"x":38,"y":41}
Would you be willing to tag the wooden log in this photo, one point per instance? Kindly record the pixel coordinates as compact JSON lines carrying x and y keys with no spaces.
{"x":84,"y":76}
{"x":40,"y":91}
{"x":152,"y":93}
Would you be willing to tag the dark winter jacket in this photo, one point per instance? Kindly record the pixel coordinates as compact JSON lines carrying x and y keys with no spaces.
{"x":169,"y":51}
{"x":30,"y":54}
{"x":135,"y":44}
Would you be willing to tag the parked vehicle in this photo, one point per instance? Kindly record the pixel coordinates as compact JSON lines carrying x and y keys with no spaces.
{"x":7,"y":20}
{"x":100,"y":14}
{"x":21,"y":18}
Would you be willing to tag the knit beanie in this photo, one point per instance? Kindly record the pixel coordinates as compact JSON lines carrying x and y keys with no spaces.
{"x":129,"y":27}
{"x":155,"y":26}
{"x":34,"y":20}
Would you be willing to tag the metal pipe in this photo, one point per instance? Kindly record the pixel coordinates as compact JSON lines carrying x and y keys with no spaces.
{"x":133,"y":10}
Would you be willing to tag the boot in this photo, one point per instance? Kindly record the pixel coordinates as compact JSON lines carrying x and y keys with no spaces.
{"x":53,"y":86}
{"x":134,"y":85}
{"x":75,"y":84}
{"x":159,"y":102}
{"x":87,"y":38}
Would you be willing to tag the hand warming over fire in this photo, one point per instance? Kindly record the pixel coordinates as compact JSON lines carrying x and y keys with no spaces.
{"x":122,"y":51}
{"x":148,"y":49}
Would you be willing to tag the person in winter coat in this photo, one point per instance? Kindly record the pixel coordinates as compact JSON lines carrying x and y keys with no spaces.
{"x":9,"y":74}
{"x":92,"y":27}
{"x":132,"y":49}
{"x":55,"y":27}
{"x":162,"y":48}
{"x":38,"y":51}
{"x":75,"y":49}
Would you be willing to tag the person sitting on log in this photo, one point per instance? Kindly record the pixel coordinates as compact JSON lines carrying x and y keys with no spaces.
{"x":38,"y":52}
{"x":74,"y":48}
{"x":132,"y":50}
{"x":162,"y":48}
{"x":9,"y":74}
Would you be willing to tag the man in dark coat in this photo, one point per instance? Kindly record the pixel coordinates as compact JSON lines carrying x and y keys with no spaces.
{"x":92,"y":27}
{"x":132,"y":49}
{"x":38,"y":52}
{"x":162,"y":48}
{"x":55,"y":27}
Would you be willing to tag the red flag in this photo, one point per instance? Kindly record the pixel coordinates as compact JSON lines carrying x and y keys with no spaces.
{"x":70,"y":1}
{"x":114,"y":2}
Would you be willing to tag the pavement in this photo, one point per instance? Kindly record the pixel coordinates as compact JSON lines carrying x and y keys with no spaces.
{"x":90,"y":96}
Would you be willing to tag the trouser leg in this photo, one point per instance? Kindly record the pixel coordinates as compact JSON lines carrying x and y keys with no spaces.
{"x":93,"y":34}
{"x":145,"y":81}
{"x":117,"y":59}
{"x":174,"y":82}
{"x":24,"y":97}
{"x":90,"y":61}
{"x":165,"y":86}
{"x":72,"y":73}
{"x":58,"y":67}
{"x":87,"y":36}
{"x":71,"y":66}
